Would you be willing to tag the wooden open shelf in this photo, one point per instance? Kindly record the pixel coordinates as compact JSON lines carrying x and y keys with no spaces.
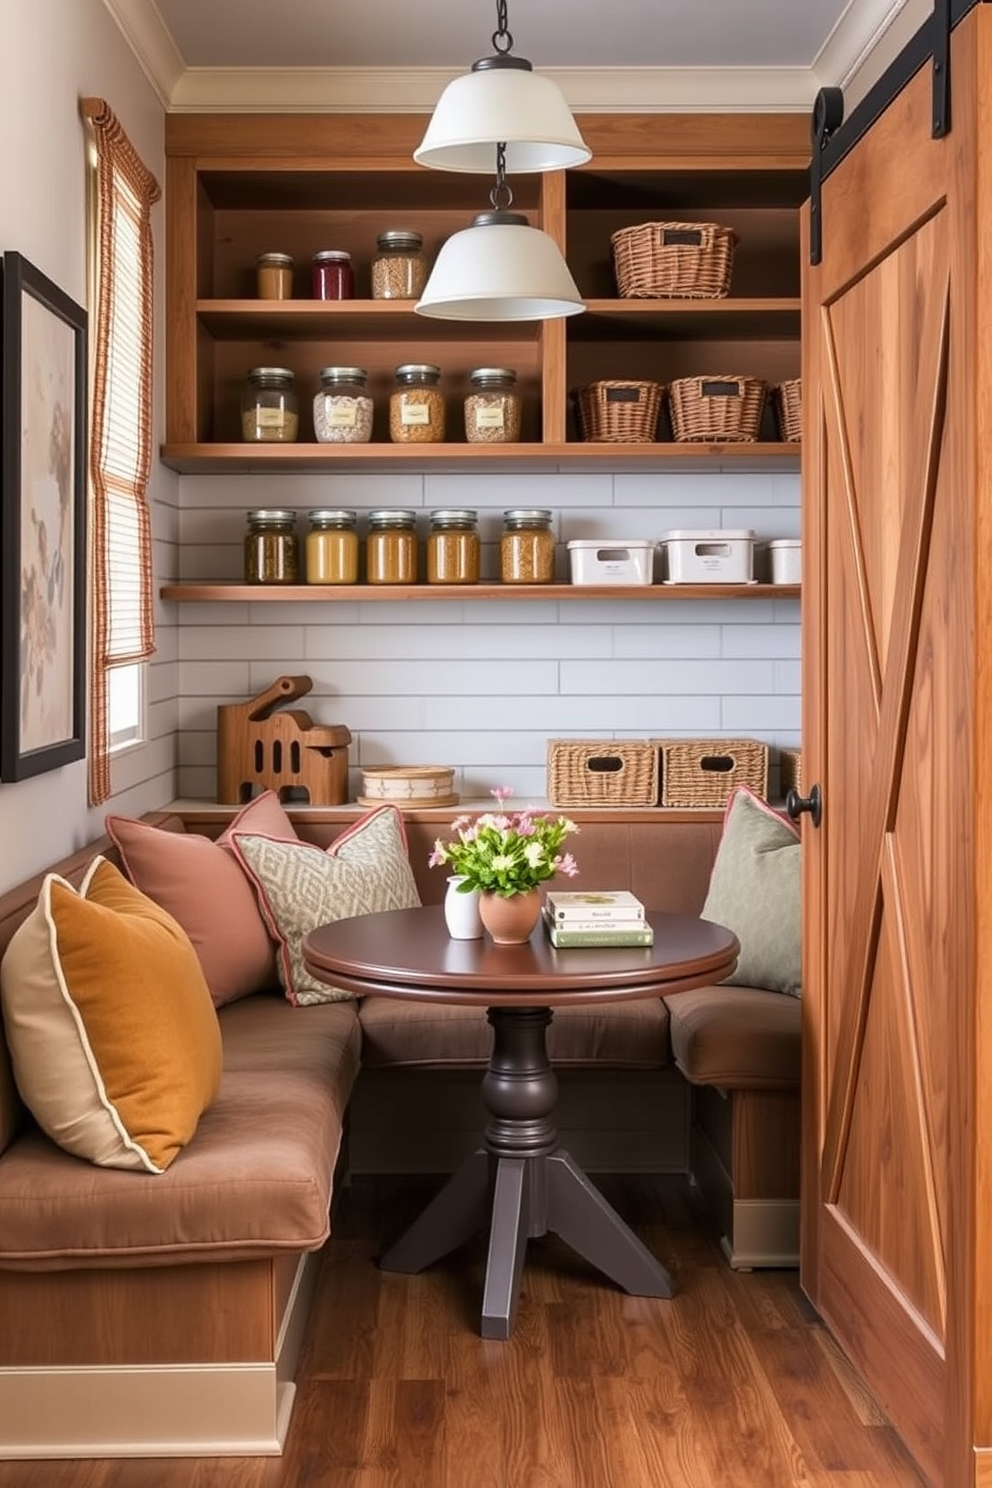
{"x":309,"y":593}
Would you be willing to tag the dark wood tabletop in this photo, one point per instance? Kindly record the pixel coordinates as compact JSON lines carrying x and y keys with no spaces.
{"x":409,"y":953}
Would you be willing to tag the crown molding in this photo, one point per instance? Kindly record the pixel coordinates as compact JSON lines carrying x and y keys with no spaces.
{"x":145,"y":33}
{"x":856,"y":35}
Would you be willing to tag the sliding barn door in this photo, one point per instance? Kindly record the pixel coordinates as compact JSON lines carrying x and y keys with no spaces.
{"x":889,"y":687}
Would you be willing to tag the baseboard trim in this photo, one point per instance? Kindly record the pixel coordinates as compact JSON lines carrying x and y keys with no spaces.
{"x":765,"y":1234}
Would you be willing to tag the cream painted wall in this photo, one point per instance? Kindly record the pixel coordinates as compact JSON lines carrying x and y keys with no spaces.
{"x":54,"y":52}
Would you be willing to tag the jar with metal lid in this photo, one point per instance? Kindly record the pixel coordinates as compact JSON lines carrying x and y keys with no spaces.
{"x":342,"y":409}
{"x":332,"y":547}
{"x":274,"y":276}
{"x":399,"y":265}
{"x":391,"y":547}
{"x":269,"y":407}
{"x":453,"y":550}
{"x":416,"y":406}
{"x":331,"y":274}
{"x":271,"y":551}
{"x":492,"y":408}
{"x":527,"y":547}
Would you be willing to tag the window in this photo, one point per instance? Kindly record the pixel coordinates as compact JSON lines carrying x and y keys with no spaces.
{"x":120,"y":442}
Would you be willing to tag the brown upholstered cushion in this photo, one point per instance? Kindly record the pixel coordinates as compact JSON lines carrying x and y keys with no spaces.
{"x":257,"y":1179}
{"x":11,"y":1106}
{"x":739,"y":1037}
{"x":435,"y":1035}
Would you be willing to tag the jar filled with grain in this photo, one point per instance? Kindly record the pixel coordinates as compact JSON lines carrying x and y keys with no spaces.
{"x":453,"y":550}
{"x":527,"y":547}
{"x":399,"y":265}
{"x":274,"y":276}
{"x":332,"y":547}
{"x":391,"y":547}
{"x":342,"y":409}
{"x":269,"y":407}
{"x":416,"y":406}
{"x":271,"y":551}
{"x":492,"y":408}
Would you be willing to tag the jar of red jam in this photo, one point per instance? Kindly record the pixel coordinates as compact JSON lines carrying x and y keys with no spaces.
{"x":332,"y":275}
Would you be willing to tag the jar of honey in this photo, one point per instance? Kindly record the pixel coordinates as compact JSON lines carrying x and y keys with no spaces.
{"x":332,"y":547}
{"x":274,"y":276}
{"x":391,"y":547}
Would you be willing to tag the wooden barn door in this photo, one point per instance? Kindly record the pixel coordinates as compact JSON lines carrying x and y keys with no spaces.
{"x":889,"y":659}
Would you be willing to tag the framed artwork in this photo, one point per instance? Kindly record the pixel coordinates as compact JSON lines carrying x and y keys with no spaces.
{"x":42,"y":524}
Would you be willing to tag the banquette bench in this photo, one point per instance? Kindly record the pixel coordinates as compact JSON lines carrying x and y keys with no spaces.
{"x":162,"y":1315}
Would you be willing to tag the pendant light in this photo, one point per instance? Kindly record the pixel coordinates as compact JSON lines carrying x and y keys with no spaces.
{"x":500,"y":268}
{"x":502,"y":100}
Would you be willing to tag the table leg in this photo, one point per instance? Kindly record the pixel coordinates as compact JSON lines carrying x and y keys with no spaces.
{"x":578,"y":1213}
{"x":453,"y":1216}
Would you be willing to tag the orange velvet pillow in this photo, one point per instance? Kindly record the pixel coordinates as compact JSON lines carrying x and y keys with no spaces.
{"x":203,"y":886}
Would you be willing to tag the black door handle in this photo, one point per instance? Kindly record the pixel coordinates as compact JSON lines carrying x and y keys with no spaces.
{"x":795,"y":805}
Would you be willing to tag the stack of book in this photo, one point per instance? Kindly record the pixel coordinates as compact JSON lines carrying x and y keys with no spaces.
{"x":608,"y":918}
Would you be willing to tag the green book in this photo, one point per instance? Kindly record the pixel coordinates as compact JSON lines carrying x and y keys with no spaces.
{"x":573,"y":939}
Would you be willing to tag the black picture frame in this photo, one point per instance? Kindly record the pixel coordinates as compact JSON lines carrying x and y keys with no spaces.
{"x":43,"y":483}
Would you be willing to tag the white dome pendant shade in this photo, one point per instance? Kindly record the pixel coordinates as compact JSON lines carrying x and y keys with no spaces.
{"x":500,"y":268}
{"x":502,"y":99}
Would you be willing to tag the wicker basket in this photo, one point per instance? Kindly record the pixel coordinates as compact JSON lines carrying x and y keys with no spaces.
{"x":790,"y":771}
{"x":620,"y":411}
{"x":704,"y":772}
{"x":675,"y":260}
{"x":719,"y":410}
{"x":602,"y":772}
{"x":787,"y":398}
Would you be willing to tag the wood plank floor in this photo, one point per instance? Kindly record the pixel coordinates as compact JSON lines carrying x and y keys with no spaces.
{"x":733,"y":1383}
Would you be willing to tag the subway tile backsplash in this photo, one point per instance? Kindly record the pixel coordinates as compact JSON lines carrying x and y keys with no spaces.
{"x":482,"y":685}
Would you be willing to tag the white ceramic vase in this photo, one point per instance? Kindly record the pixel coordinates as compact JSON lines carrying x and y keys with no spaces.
{"x":461,"y":912}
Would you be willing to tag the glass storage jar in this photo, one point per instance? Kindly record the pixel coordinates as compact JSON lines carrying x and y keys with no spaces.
{"x":399,"y":265}
{"x":416,"y":406}
{"x":271,"y":552}
{"x":269,"y":408}
{"x":332,"y":547}
{"x":342,"y":409}
{"x":492,"y":408}
{"x":391,"y":547}
{"x":453,"y":551}
{"x":527,"y":547}
{"x":274,"y":276}
{"x":331,"y":274}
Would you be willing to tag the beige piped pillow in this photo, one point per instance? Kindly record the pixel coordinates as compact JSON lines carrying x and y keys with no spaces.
{"x":113,"y":1037}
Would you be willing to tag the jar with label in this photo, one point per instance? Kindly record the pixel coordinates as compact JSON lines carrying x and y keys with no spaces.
{"x":274,"y":276}
{"x":332,"y":547}
{"x":492,"y":408}
{"x":399,"y":265}
{"x":332,"y":277}
{"x":391,"y":547}
{"x":271,"y":551}
{"x":453,"y":550}
{"x":269,"y":407}
{"x":527,"y":547}
{"x":416,"y":407}
{"x":342,"y":410}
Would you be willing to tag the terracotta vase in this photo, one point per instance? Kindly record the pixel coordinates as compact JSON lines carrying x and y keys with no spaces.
{"x":510,"y":921}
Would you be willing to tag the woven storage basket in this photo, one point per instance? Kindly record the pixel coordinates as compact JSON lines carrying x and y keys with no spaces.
{"x":787,"y":398}
{"x":722,"y":410}
{"x":620,"y":411}
{"x":602,"y":772}
{"x":703,"y":772}
{"x":409,"y":785}
{"x":790,"y":771}
{"x":675,"y":260}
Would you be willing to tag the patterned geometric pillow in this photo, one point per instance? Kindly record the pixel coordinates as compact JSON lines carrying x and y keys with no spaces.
{"x":299,"y":887}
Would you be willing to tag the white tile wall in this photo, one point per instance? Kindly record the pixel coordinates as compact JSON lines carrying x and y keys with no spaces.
{"x":482,"y":685}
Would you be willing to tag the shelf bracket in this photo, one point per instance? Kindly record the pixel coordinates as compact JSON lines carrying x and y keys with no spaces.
{"x":941,"y":23}
{"x":828,"y":115}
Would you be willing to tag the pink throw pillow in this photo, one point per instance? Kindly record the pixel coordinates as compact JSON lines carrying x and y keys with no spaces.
{"x":203,"y":886}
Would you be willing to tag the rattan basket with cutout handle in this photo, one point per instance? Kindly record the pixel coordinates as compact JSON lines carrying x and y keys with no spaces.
{"x":787,"y":398}
{"x":721,"y":410}
{"x":674,"y":260}
{"x":602,"y":772}
{"x":704,"y":772}
{"x":619,"y":411}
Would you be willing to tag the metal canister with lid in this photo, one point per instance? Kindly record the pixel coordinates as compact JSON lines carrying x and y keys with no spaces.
{"x":391,"y":547}
{"x":527,"y":546}
{"x":416,"y":406}
{"x":342,"y":409}
{"x":453,"y":549}
{"x":269,"y":407}
{"x":271,"y":551}
{"x":399,"y":266}
{"x":492,"y":408}
{"x":332,"y":546}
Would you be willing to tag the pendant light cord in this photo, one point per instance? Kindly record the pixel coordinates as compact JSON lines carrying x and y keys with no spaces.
{"x":501,"y":196}
{"x":501,"y":38}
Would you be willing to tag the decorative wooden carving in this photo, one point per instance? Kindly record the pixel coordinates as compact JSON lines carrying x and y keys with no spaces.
{"x":284,"y":751}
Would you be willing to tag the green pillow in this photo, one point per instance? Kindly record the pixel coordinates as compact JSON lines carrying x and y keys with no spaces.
{"x":754,"y":891}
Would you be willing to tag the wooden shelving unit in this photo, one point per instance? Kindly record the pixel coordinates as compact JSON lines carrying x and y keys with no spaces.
{"x":372,"y":593}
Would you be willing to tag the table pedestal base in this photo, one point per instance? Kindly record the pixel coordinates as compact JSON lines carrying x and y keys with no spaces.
{"x":524,"y":1185}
